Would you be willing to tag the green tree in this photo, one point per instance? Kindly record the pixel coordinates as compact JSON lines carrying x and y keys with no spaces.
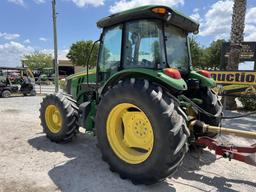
{"x":206,"y":58}
{"x":38,"y":60}
{"x":80,"y":51}
{"x":195,"y":51}
{"x":215,"y":54}
{"x":200,"y":55}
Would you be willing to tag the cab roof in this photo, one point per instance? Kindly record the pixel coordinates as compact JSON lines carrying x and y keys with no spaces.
{"x":145,"y":12}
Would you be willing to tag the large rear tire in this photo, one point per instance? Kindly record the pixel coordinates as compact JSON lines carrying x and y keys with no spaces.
{"x":213,"y":105}
{"x":141,"y":131}
{"x":59,"y":117}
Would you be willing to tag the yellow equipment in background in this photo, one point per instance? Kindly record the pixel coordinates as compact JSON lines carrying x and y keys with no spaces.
{"x":235,"y":83}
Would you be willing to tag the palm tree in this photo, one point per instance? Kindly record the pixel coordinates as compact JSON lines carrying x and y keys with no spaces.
{"x":237,"y":37}
{"x":237,"y":33}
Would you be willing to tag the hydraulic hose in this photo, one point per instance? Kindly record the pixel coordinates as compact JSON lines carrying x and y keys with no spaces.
{"x":215,"y":116}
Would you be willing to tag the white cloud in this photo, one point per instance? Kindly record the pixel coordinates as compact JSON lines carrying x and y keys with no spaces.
{"x":250,"y":32}
{"x":217,"y":21}
{"x":12,"y":52}
{"x":196,"y":16}
{"x":82,"y":3}
{"x":195,"y":10}
{"x":27,"y":41}
{"x":61,"y":52}
{"x":122,"y":5}
{"x":9,"y":36}
{"x":22,"y":2}
{"x":251,"y":15}
{"x":250,"y":25}
{"x":47,"y":51}
{"x":43,"y":39}
{"x":39,"y":1}
{"x":17,"y":2}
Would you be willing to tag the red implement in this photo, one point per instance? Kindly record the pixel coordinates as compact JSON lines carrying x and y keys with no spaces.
{"x":239,"y":153}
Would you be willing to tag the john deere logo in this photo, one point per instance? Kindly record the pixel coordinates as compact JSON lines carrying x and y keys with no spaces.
{"x":234,"y":77}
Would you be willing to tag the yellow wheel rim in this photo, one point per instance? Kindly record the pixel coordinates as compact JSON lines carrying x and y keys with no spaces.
{"x":130,"y":133}
{"x":53,"y":118}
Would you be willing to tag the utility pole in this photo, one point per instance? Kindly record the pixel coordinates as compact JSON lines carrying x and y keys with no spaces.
{"x":56,"y":66}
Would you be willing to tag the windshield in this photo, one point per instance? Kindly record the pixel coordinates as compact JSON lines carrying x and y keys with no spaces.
{"x":177,"y":48}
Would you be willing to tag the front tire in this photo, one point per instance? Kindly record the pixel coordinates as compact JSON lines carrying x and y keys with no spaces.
{"x":59,"y":117}
{"x":6,"y":94}
{"x":33,"y":92}
{"x":157,"y":132}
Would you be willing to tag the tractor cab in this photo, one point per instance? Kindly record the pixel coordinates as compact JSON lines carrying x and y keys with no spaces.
{"x":149,"y":41}
{"x":151,"y":37}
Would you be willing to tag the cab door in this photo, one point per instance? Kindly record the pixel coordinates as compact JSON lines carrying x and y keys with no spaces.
{"x":110,"y":53}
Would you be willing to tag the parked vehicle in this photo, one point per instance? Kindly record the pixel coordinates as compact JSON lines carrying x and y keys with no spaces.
{"x":24,"y":84}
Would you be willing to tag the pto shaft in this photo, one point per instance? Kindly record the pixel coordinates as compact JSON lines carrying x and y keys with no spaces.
{"x":202,"y":127}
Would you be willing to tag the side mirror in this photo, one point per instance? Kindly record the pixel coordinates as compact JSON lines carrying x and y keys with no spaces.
{"x":169,"y":16}
{"x":196,"y":32}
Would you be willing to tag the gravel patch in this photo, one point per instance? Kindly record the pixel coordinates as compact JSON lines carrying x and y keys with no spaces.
{"x":30,"y":162}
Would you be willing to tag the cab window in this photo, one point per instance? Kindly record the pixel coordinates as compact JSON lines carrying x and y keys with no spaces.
{"x":110,"y":53}
{"x":177,"y":48}
{"x":143,"y":44}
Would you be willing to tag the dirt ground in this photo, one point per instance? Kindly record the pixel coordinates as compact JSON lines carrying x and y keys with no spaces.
{"x":30,"y":162}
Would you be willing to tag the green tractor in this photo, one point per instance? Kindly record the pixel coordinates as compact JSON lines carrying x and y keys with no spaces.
{"x":137,"y":100}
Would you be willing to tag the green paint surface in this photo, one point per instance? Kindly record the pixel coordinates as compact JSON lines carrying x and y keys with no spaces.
{"x":205,"y":81}
{"x":154,"y":75}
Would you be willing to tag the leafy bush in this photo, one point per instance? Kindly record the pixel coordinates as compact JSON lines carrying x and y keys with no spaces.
{"x":249,"y":102}
{"x":62,"y":83}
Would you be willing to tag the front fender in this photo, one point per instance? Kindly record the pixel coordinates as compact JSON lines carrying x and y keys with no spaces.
{"x":151,"y":74}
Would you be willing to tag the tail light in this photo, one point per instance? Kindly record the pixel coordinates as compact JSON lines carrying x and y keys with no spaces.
{"x":205,"y":73}
{"x":174,"y":73}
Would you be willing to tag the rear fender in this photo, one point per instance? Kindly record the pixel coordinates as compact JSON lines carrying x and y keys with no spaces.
{"x":158,"y":76}
{"x":205,"y":81}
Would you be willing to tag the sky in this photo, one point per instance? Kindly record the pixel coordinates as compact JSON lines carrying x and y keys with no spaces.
{"x":26,"y":25}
